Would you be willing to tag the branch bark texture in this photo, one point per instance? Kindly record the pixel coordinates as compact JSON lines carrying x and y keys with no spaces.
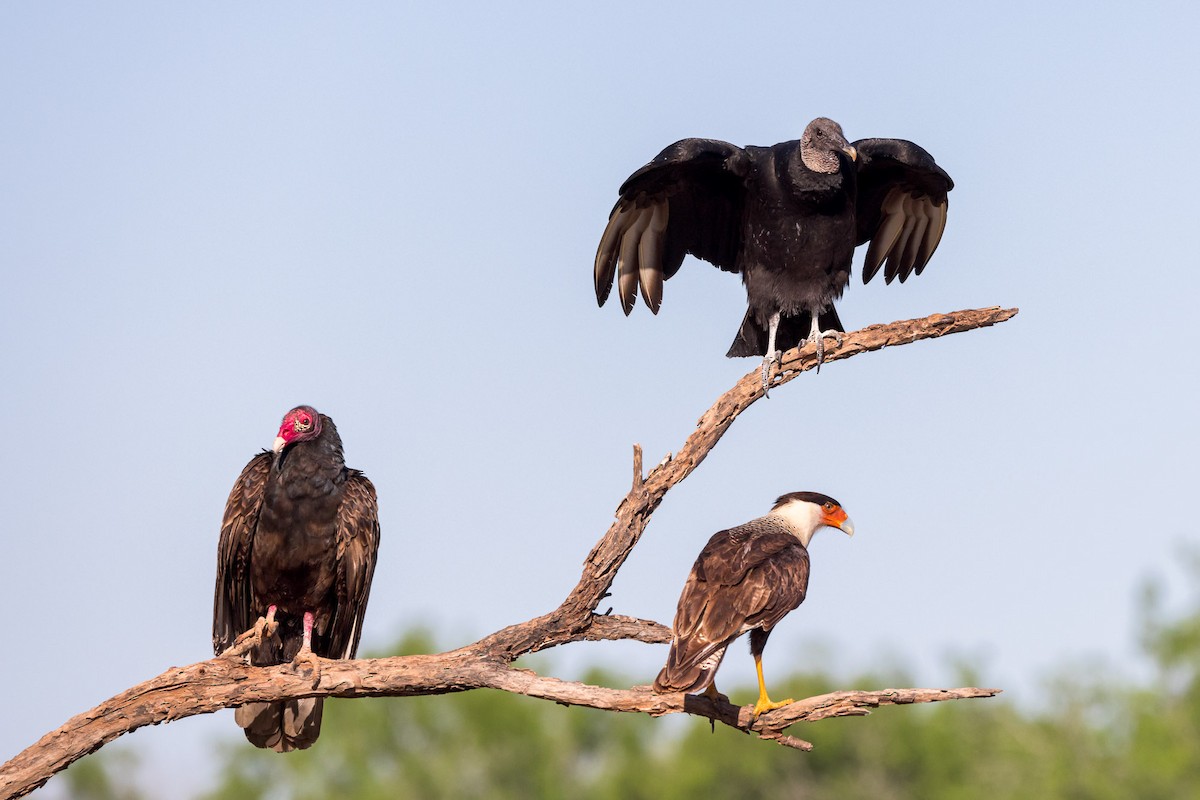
{"x":227,"y":681}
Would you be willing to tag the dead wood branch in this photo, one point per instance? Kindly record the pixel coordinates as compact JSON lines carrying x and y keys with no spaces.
{"x":226,"y":681}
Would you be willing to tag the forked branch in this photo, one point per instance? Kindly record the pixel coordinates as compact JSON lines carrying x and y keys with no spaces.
{"x":227,"y":681}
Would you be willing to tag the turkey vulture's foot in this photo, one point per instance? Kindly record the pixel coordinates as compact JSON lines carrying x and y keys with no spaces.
{"x":263,"y":629}
{"x":308,"y":664}
{"x":306,"y":661}
{"x":246,"y":642}
{"x":270,"y":625}
{"x":817,"y":336}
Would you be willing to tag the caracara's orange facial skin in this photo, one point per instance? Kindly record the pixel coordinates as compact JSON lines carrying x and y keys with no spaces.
{"x":835,"y":516}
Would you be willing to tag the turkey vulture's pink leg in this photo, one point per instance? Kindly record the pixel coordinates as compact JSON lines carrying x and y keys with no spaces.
{"x":308,"y":626}
{"x":306,"y":655}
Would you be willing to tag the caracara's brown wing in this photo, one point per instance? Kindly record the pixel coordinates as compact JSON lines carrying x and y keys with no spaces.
{"x":232,"y":611}
{"x":743,"y":579}
{"x":358,"y":544}
{"x":901,"y":206}
{"x":689,"y":199}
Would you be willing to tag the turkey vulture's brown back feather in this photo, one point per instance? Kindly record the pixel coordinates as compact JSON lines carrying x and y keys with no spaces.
{"x":301,"y":533}
{"x":232,"y":611}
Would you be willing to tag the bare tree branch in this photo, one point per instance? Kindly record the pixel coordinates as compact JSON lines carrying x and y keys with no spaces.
{"x":227,"y":681}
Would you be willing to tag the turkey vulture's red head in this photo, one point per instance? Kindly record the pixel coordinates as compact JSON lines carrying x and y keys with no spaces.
{"x":299,"y":425}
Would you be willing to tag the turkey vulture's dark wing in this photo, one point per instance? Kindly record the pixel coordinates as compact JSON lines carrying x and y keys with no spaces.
{"x":901,"y":206}
{"x":233,"y":613}
{"x":736,"y":584}
{"x":689,"y":199}
{"x":358,"y":545}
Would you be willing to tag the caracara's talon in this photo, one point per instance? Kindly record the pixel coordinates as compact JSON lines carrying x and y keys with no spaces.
{"x":765,"y":704}
{"x":712,"y":694}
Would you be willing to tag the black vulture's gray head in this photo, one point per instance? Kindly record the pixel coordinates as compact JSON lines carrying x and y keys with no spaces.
{"x":819,"y":146}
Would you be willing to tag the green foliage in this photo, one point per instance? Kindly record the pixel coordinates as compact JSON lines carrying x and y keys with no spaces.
{"x":102,"y":777}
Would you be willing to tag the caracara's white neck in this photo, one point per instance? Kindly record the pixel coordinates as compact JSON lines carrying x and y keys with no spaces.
{"x":802,"y":517}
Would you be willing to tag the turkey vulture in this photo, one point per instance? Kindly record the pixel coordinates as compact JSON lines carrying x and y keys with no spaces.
{"x":746,"y":579}
{"x":787,"y":217}
{"x":298,"y":546}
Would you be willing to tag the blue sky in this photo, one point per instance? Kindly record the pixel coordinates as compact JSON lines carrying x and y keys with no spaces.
{"x":211,"y":214}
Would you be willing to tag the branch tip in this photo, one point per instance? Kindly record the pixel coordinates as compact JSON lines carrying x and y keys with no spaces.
{"x":638,"y":478}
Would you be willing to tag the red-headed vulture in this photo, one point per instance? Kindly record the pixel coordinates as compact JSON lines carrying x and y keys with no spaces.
{"x":298,"y":546}
{"x":787,"y":217}
{"x":746,"y":580}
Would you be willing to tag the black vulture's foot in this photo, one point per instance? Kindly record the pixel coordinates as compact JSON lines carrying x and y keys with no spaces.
{"x":818,"y":338}
{"x":770,"y":360}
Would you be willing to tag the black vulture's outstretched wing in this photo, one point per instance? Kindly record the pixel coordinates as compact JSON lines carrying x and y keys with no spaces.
{"x":357,"y":547}
{"x":901,"y":206}
{"x":689,"y":199}
{"x":233,"y":611}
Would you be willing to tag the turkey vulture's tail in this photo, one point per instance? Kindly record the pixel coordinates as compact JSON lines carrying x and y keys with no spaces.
{"x":283,"y":726}
{"x":751,"y":339}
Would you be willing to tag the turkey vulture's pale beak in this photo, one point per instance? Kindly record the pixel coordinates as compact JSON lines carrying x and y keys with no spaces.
{"x":279,"y":443}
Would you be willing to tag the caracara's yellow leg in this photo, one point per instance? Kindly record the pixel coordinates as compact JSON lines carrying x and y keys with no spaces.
{"x":712,"y":694}
{"x":764,"y":703}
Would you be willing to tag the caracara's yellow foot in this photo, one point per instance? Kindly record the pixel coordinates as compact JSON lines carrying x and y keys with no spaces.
{"x":712,"y":694}
{"x":765,"y":704}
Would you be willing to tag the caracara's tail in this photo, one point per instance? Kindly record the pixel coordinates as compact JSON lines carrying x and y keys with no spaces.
{"x":685,"y":673}
{"x":283,"y":726}
{"x":751,"y":339}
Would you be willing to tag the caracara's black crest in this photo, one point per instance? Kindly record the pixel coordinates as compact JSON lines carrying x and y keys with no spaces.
{"x":815,"y":498}
{"x":787,"y":217}
{"x":300,"y":533}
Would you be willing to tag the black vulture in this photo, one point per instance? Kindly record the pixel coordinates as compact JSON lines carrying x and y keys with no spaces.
{"x":746,"y":580}
{"x":787,"y":217}
{"x":298,"y":546}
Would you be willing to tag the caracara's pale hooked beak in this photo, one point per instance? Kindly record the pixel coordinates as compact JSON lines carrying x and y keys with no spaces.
{"x":837,"y":519}
{"x":279,"y":443}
